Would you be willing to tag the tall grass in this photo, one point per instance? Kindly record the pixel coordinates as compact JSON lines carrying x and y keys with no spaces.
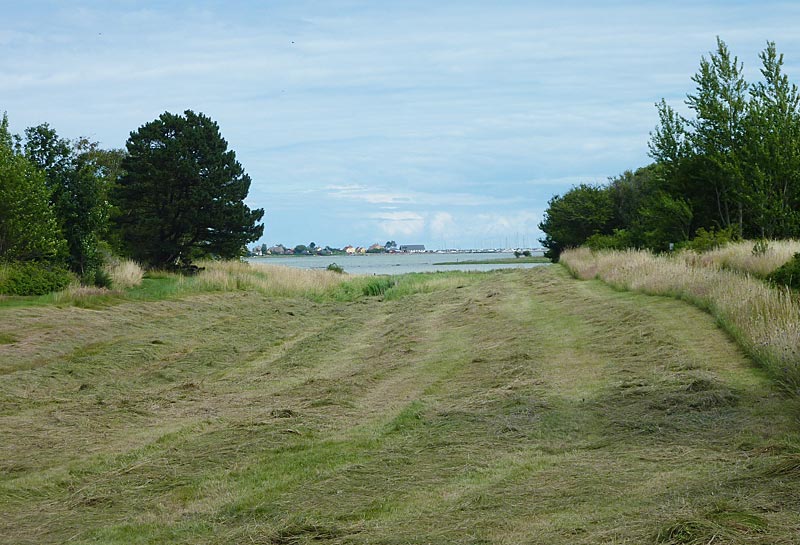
{"x":124,"y":273}
{"x":740,"y":256}
{"x":764,"y":320}
{"x":276,"y":280}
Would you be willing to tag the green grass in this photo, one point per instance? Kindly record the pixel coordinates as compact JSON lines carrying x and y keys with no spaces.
{"x":498,"y":261}
{"x":510,"y":407}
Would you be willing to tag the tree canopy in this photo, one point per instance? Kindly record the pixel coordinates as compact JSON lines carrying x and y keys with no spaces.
{"x":181,"y":194}
{"x":29,"y":230}
{"x":733,"y":168}
{"x":78,"y":181}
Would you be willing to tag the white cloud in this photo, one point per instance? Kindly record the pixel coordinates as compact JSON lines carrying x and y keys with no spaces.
{"x":524,"y":221}
{"x":399,"y":223}
{"x":443,"y":225}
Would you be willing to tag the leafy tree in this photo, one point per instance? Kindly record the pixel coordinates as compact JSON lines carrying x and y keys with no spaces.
{"x":182,"y":193}
{"x":78,"y":179}
{"x":772,"y":155}
{"x":583,"y":211}
{"x":29,"y":230}
{"x":301,"y":249}
{"x":664,"y":220}
{"x":719,"y":104}
{"x":669,"y":143}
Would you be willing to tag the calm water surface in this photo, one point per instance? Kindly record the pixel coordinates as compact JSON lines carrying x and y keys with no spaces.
{"x":394,"y":263}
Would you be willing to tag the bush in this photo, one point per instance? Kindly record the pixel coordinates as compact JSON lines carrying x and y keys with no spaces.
{"x":620,"y":240}
{"x":32,"y":278}
{"x":787,"y":274}
{"x":333,"y":267}
{"x":761,"y":247}
{"x":705,"y":241}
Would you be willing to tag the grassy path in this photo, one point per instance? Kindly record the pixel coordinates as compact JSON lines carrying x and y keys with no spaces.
{"x":512,"y":407}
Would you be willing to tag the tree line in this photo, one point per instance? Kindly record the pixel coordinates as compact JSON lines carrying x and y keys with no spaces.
{"x":173,"y":195}
{"x":729,"y":170}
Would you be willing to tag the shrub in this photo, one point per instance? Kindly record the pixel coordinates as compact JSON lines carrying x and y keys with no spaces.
{"x":620,"y":240}
{"x":761,"y":247}
{"x":704,"y":241}
{"x":333,"y":267}
{"x":32,"y":278}
{"x":787,"y":274}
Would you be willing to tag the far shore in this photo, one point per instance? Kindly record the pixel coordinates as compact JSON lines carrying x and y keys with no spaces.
{"x":502,"y":260}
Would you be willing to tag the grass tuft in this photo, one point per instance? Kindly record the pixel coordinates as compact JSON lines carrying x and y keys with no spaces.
{"x":124,"y":273}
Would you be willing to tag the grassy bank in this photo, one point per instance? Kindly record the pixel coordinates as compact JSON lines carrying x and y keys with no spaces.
{"x":215,"y":276}
{"x":511,"y":407}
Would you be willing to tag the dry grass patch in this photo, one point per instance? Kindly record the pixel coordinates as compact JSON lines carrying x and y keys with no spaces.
{"x":267,"y":279}
{"x":124,"y":273}
{"x":746,"y":256}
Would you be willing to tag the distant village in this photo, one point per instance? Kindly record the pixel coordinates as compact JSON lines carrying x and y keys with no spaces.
{"x":391,"y":247}
{"x":312,"y":249}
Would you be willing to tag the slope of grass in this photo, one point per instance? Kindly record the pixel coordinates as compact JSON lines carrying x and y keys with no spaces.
{"x":511,"y":407}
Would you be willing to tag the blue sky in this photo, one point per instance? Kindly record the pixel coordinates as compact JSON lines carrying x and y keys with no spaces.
{"x":443,"y":123}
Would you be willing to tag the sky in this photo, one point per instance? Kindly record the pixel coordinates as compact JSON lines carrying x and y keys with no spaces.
{"x":444,"y":123}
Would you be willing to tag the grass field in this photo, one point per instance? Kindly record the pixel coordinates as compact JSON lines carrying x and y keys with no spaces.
{"x":510,"y":407}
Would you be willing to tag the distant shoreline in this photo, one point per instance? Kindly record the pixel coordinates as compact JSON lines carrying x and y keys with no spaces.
{"x":502,"y":260}
{"x":427,"y":252}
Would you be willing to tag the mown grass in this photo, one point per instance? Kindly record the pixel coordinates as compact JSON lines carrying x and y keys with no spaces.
{"x":764,"y":320}
{"x":510,"y":407}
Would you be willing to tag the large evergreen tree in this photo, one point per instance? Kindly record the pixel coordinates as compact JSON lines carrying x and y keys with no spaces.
{"x":182,"y":193}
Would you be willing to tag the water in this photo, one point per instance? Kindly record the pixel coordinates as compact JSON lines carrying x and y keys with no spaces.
{"x":394,"y":263}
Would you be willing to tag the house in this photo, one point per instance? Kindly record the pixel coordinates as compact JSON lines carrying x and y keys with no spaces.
{"x":278,"y":249}
{"x":349,"y":250}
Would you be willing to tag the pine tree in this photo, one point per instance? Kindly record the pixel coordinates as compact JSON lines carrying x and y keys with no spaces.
{"x":182,"y":193}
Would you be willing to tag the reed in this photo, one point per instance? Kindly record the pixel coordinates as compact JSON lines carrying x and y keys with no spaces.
{"x":764,"y":320}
